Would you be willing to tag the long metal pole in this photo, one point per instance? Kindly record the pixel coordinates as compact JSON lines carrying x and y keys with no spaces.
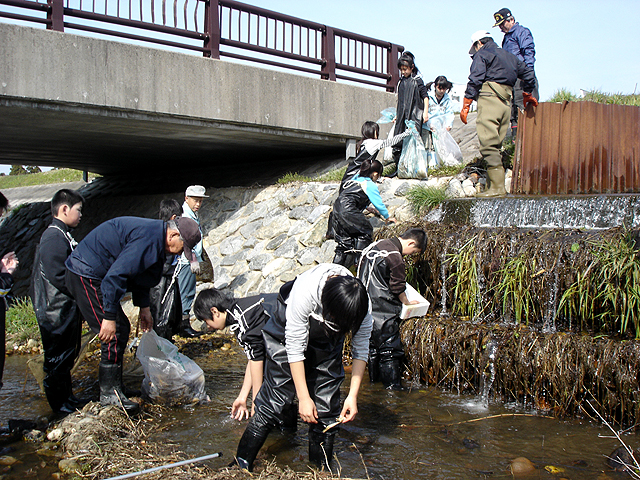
{"x":164,"y":467}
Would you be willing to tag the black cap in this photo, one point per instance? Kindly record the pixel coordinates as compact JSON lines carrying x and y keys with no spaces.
{"x":502,"y":15}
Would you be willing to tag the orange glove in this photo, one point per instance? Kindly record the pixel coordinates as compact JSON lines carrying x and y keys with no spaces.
{"x":466,"y":105}
{"x":527,"y":99}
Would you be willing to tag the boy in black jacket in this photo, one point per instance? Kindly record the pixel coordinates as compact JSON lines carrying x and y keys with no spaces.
{"x":56,"y":311}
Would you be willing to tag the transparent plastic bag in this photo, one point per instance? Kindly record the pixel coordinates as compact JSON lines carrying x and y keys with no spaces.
{"x":170,"y":378}
{"x":387,"y":155}
{"x":447,"y":149}
{"x":388,"y":114}
{"x":413,"y":161}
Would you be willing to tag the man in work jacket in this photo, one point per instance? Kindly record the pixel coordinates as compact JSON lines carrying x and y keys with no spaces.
{"x":122,"y":254}
{"x":494,"y":72}
{"x":519,"y":41}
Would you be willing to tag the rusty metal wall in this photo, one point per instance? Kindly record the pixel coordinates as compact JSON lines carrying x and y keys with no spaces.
{"x":577,"y":147}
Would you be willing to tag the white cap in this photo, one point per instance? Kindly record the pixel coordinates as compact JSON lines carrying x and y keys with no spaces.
{"x":196,"y":191}
{"x":479,"y":35}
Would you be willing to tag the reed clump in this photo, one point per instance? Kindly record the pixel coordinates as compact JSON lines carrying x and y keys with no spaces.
{"x":555,"y":280}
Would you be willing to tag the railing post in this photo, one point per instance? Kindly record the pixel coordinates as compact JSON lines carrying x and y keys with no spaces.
{"x":392,"y":60}
{"x":212,"y":29}
{"x":328,"y":71}
{"x":55,"y":15}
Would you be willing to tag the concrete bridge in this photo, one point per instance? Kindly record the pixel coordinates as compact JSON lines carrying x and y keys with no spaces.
{"x":115,"y":108}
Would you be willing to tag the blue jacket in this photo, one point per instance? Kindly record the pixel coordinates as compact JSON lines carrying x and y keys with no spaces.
{"x":440,"y":113}
{"x":125,"y":254}
{"x":519,"y":41}
{"x":494,"y":64}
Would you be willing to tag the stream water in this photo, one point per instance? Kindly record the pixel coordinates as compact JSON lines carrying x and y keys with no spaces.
{"x":418,"y":433}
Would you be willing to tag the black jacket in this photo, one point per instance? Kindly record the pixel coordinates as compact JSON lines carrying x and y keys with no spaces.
{"x":494,"y":64}
{"x":246,"y":319}
{"x":52,"y":302}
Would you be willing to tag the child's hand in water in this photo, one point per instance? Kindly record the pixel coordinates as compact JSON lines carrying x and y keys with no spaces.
{"x":239,"y":409}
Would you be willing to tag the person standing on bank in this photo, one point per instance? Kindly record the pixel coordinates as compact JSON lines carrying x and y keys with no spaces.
{"x":120,"y":255}
{"x":494,"y":71}
{"x":187,"y":270}
{"x":382,"y":272}
{"x":56,"y":310}
{"x":303,"y":342}
{"x":519,"y":41}
{"x":8,"y":265}
{"x":412,"y":95}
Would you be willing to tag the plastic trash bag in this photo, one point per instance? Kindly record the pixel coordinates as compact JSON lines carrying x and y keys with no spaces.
{"x":413,"y":161}
{"x":447,"y":149}
{"x":388,"y":114}
{"x":170,"y":378}
{"x":387,"y":155}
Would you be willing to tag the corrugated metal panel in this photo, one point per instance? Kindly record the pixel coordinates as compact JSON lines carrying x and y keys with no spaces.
{"x":577,"y":147}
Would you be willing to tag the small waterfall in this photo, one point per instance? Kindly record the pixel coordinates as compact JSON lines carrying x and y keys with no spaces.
{"x":443,"y":277}
{"x":489,"y":377}
{"x":584,"y":211}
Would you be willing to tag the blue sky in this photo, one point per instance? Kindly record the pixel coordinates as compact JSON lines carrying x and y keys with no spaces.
{"x":579,"y":44}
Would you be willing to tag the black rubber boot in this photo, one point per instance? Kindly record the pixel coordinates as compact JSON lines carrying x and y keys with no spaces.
{"x":129,"y":392}
{"x":186,"y":331}
{"x":390,"y":373}
{"x":110,"y":379}
{"x":374,"y":366}
{"x":57,"y":389}
{"x":321,"y":446}
{"x":251,"y":442}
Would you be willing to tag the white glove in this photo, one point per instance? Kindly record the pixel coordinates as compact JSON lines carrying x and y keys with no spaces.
{"x":195,"y":268}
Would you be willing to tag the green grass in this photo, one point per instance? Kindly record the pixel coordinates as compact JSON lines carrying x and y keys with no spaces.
{"x":596,"y":96}
{"x":293,"y":177}
{"x":446,"y":171}
{"x":21,"y":321}
{"x":61,"y":175}
{"x":422,"y":198}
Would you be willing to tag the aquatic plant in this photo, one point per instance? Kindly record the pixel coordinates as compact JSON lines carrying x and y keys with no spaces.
{"x":514,"y":288}
{"x":422,"y":199}
{"x":464,"y":273}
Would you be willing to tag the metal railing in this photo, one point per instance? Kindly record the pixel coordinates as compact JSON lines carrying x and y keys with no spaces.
{"x":244,"y":32}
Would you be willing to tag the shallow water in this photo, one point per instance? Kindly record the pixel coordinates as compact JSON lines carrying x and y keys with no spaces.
{"x":421,"y":433}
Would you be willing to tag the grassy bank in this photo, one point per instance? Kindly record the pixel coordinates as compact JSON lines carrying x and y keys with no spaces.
{"x":596,"y":96}
{"x":61,"y":175}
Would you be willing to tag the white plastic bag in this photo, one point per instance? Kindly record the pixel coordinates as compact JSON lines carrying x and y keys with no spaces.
{"x":446,"y":147}
{"x":413,"y":161}
{"x":170,"y":377}
{"x":387,"y":155}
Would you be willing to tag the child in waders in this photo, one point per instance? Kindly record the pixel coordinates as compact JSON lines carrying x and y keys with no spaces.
{"x":246,"y":318}
{"x":352,"y":230}
{"x":303,"y":343}
{"x":367,"y":148}
{"x":412,"y":96}
{"x":382,"y":271}
{"x":56,"y":311}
